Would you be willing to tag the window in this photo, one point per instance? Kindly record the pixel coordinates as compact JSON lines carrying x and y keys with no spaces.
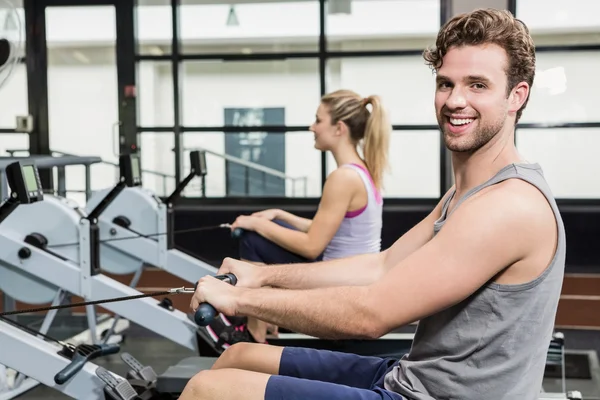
{"x":209,"y":88}
{"x":249,"y":27}
{"x":381,"y":24}
{"x":557,"y":22}
{"x":257,"y":164}
{"x":558,"y":15}
{"x":13,"y":141}
{"x":158,"y":162}
{"x":568,"y":157}
{"x":154,"y":27}
{"x":562,"y":90}
{"x":155,"y":97}
{"x":414,"y":165}
{"x":405,"y":84}
{"x":82,"y":89}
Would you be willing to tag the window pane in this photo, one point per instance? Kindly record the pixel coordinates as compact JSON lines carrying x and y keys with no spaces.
{"x":568,"y":157}
{"x":414,"y":165}
{"x":406,"y":85}
{"x":14,"y":141}
{"x":249,"y":27}
{"x":211,"y":87}
{"x":155,"y":105}
{"x":293,"y":166}
{"x":381,"y":24}
{"x":82,"y":88}
{"x":562,"y":89}
{"x":13,"y":98}
{"x":154,"y":27}
{"x":561,"y":22}
{"x":158,"y":162}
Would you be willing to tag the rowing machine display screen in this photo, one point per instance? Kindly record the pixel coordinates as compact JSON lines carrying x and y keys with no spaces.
{"x":30,"y":179}
{"x":131,"y":170}
{"x":198,"y":162}
{"x":135,"y":168}
{"x":24,"y":181}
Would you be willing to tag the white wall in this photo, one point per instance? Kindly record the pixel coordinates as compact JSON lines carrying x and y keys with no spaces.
{"x":83,"y":98}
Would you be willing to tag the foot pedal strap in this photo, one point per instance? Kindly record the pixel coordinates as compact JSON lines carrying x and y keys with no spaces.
{"x":144,"y":373}
{"x":118,"y":387}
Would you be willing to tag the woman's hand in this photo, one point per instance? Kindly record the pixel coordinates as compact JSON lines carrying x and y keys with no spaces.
{"x":247,"y":222}
{"x":270,"y":214}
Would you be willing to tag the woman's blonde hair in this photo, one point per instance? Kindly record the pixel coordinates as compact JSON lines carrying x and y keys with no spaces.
{"x":372,"y":127}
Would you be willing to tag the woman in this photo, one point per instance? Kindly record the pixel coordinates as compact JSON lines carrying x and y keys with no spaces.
{"x":349,"y":217}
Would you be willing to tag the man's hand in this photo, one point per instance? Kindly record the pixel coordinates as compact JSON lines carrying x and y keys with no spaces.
{"x":270,"y":214}
{"x":247,"y":222}
{"x":248,"y":275}
{"x":221,"y":295}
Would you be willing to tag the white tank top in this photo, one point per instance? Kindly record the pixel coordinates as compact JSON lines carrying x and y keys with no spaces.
{"x":360,"y":230}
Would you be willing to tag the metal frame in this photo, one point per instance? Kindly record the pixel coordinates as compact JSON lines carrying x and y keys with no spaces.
{"x":127,"y":56}
{"x":24,"y":348}
{"x":69,"y":269}
{"x":148,"y":234}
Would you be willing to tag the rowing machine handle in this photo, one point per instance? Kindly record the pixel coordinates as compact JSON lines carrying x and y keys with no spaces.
{"x":205,"y":314}
{"x":78,"y":361}
{"x":237,"y":233}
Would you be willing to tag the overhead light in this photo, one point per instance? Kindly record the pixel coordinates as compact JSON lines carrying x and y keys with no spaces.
{"x":232,"y":19}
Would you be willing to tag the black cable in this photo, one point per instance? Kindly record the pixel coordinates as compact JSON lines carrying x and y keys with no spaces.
{"x":85,"y":303}
{"x":70,"y":305}
{"x":139,"y":235}
{"x":28,"y":329}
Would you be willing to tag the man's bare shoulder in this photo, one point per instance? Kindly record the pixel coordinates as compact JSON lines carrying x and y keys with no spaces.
{"x":521,"y":217}
{"x":518,"y":196}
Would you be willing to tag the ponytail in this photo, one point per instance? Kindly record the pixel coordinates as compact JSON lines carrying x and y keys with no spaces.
{"x":373,"y":128}
{"x":377,"y":140}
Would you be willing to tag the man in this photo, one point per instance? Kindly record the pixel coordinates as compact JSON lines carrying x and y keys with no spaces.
{"x":482,"y":273}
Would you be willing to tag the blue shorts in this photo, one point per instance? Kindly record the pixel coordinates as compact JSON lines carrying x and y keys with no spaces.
{"x":256,"y":248}
{"x":306,"y":373}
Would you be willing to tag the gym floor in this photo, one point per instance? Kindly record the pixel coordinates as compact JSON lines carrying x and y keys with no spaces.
{"x":582,"y":366}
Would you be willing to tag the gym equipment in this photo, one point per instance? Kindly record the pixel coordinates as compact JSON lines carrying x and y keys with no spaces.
{"x":136,"y":213}
{"x":144,"y":235}
{"x":35,"y":358}
{"x":84,"y":377}
{"x":33,"y":272}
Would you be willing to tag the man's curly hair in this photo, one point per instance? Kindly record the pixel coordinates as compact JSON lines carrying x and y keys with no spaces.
{"x":487,"y":26}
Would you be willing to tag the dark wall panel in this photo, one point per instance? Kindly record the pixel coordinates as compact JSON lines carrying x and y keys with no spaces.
{"x":582,"y":227}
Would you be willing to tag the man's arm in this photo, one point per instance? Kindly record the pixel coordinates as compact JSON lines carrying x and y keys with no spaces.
{"x":482,"y":237}
{"x":363,"y":269}
{"x":358,"y":270}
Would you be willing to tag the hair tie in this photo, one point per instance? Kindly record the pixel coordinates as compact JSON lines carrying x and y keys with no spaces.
{"x":365,"y":101}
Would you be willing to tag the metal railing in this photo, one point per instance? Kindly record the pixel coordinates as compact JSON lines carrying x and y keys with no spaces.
{"x":252,"y":166}
{"x":61,"y":189}
{"x":248,"y":166}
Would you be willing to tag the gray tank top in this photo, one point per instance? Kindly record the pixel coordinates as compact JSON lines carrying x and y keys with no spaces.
{"x":492,"y":345}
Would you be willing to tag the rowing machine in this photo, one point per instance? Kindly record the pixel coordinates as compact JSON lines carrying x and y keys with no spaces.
{"x":34,"y":272}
